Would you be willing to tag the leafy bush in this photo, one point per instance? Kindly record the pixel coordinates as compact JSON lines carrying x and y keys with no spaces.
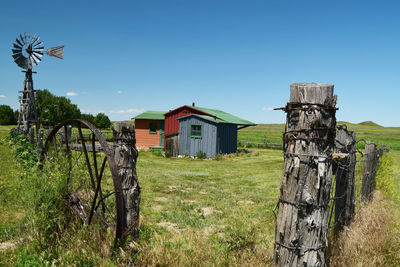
{"x":201,"y":155}
{"x":167,"y":153}
{"x":25,"y":152}
{"x":156,"y":152}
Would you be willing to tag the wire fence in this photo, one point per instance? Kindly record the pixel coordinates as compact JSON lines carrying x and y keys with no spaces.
{"x":364,"y":173}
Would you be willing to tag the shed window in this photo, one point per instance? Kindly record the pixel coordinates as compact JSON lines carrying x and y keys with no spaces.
{"x":195,"y":131}
{"x":153,"y":128}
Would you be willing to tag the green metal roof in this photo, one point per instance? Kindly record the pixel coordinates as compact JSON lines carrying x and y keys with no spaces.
{"x":228,"y":118}
{"x":151,"y":115}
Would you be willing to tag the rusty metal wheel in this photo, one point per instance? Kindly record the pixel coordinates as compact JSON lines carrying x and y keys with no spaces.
{"x":77,"y":150}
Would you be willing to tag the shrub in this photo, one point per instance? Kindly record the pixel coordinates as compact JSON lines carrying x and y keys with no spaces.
{"x":201,"y":155}
{"x":218,"y":156}
{"x":156,"y":152}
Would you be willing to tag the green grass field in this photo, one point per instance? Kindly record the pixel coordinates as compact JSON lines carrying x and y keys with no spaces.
{"x":214,"y":212}
{"x":368,"y":131}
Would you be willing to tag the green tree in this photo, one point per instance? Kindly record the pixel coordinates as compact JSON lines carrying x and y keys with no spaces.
{"x":88,"y":118}
{"x":55,"y":109}
{"x":7,"y":115}
{"x":102,"y":121}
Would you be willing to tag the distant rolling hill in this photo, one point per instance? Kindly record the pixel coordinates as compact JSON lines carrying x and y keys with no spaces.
{"x":370,"y":123}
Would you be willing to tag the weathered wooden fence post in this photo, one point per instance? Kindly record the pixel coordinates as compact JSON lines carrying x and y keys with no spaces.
{"x":40,"y":145}
{"x":126,"y":154}
{"x":344,"y":194}
{"x":308,"y":143}
{"x":370,"y":168}
{"x":31,"y":136}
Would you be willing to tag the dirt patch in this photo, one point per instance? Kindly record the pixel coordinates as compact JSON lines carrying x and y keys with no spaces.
{"x":170,"y":226}
{"x":208,"y":230}
{"x":161,"y":199}
{"x":172,"y":187}
{"x":207,"y":211}
{"x":157,"y":208}
{"x":203,"y":193}
{"x":7,"y":245}
{"x":246,"y":202}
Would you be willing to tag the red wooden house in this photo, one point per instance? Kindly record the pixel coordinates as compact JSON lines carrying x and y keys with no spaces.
{"x":149,"y":129}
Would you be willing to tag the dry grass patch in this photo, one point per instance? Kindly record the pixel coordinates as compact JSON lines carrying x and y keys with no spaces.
{"x":370,"y":240}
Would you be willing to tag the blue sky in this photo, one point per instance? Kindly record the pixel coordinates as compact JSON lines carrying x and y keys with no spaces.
{"x":124,"y":57}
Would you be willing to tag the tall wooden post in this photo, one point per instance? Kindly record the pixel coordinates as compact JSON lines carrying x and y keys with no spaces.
{"x":126,"y":154}
{"x":308,"y":143}
{"x":370,"y":167}
{"x":344,"y":195}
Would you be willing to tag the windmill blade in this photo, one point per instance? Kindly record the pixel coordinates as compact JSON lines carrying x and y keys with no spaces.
{"x":21,"y":39}
{"x":22,"y":62}
{"x":37,"y":58}
{"x":19,"y":42}
{"x":16,"y":56}
{"x":37,"y":39}
{"x":57,"y":52}
{"x":38,"y":54}
{"x":26,"y":41}
{"x":38,"y":44}
{"x":17,"y":46}
{"x":33,"y":60}
{"x":15,"y":51}
{"x":39,"y":48}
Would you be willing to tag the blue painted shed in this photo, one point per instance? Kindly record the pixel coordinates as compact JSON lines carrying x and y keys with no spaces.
{"x":206,"y":134}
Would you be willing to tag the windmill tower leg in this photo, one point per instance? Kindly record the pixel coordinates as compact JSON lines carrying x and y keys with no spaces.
{"x":28,"y":113}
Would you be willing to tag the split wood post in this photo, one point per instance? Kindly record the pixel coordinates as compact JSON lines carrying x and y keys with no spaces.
{"x":31,"y":136}
{"x":370,"y":167}
{"x":345,"y":174}
{"x":308,"y":143}
{"x":40,"y":145}
{"x":126,"y":154}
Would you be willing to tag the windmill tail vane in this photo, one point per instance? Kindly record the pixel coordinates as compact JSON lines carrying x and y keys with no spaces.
{"x":57,"y":52}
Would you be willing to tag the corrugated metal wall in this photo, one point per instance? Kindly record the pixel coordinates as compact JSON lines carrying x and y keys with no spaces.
{"x":190,"y":146}
{"x":216,"y":137}
{"x":227,"y":138}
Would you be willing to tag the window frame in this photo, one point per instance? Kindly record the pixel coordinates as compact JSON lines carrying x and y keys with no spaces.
{"x":196,"y":136}
{"x":150,"y":124}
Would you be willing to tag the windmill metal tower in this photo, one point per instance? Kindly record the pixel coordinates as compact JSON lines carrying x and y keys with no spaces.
{"x":27,"y":53}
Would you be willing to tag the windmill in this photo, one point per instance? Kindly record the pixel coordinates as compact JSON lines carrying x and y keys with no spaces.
{"x":27,"y":53}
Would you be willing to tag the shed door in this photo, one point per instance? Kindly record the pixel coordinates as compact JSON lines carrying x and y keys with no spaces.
{"x":162,"y":133}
